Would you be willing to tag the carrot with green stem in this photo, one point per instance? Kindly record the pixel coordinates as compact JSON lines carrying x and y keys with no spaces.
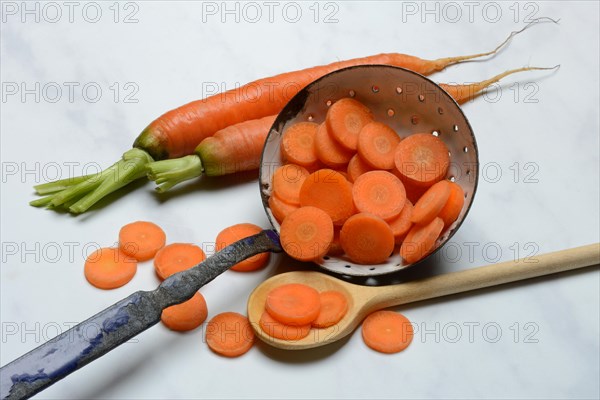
{"x":178,"y":132}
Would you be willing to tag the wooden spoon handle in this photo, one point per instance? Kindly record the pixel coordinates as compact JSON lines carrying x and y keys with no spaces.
{"x":482,"y":277}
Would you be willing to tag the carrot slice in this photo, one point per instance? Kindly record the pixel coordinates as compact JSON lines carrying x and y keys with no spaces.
{"x":402,"y":224}
{"x":367,"y":239}
{"x":187,"y":315}
{"x":141,"y":240}
{"x":177,"y":257}
{"x":109,"y":268}
{"x":454,"y":205}
{"x":287,"y":181}
{"x":331,"y":192}
{"x":334,"y":306}
{"x":387,"y":332}
{"x":298,"y":144}
{"x":229,"y":334}
{"x":329,"y":151}
{"x":357,"y":167}
{"x":276,"y":329}
{"x":431,"y":203}
{"x":422,"y":159}
{"x":379,"y":193}
{"x":413,"y":192}
{"x":293,"y":304}
{"x":377,"y":144}
{"x":306,"y":234}
{"x":237,"y":232}
{"x":345,"y":119}
{"x":420,"y":240}
{"x":280,"y":208}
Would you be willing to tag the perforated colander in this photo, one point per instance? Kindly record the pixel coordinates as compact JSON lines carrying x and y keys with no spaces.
{"x":404,"y":100}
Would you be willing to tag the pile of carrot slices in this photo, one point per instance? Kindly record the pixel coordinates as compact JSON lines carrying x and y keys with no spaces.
{"x":352,"y":186}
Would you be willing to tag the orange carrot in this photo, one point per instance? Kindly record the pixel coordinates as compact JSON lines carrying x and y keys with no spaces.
{"x":330,"y":191}
{"x":357,"y":167}
{"x":367,"y":239}
{"x":468,"y":91}
{"x":293,"y":304}
{"x":328,"y":151}
{"x":280,"y":208}
{"x":333,"y":308}
{"x":276,"y":329}
{"x":402,"y":224}
{"x":306,"y":234}
{"x":287,"y":181}
{"x":420,"y":240}
{"x":229,"y":334}
{"x":141,"y":240}
{"x":187,"y":315}
{"x":345,"y":119}
{"x":233,"y":149}
{"x":379,"y":193}
{"x":237,"y":232}
{"x":177,"y":257}
{"x":431,"y":203}
{"x":298,"y":144}
{"x":109,"y":268}
{"x":387,"y":332}
{"x":377,"y":144}
{"x":422,"y":159}
{"x":453,"y":206}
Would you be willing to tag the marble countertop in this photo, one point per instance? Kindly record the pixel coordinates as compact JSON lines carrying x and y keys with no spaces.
{"x":80,"y":81}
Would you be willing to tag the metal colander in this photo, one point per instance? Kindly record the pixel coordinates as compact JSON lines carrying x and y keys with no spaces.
{"x":404,"y":100}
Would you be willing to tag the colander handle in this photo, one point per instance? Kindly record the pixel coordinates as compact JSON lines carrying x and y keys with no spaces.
{"x":492,"y":275}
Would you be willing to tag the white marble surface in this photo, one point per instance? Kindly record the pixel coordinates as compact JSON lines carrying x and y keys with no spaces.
{"x":170,"y":54}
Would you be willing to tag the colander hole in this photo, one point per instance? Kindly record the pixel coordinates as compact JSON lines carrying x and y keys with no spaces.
{"x":421,"y":98}
{"x":414,"y":119}
{"x":455,"y":128}
{"x":351,"y":93}
{"x":452,"y":178}
{"x":435,"y":133}
{"x":347,"y":266}
{"x":468,"y":172}
{"x":440,"y":110}
{"x":465,"y":149}
{"x":326,"y":258}
{"x":375,"y":89}
{"x":371,"y":269}
{"x":398,"y":90}
{"x":449,"y":153}
{"x":390,"y":112}
{"x":310,"y":117}
{"x":465,"y":195}
{"x":397,"y":265}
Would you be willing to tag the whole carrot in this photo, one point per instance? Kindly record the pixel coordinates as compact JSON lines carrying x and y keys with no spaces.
{"x":177,"y":132}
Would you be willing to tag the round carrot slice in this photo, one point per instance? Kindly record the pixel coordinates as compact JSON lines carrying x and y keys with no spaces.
{"x":402,"y":224}
{"x":280,"y":208}
{"x":454,"y":205}
{"x":328,"y":151}
{"x":367,"y":239}
{"x":187,"y":315}
{"x":345,"y":118}
{"x":379,"y":193}
{"x":431,"y":203}
{"x":387,"y":332}
{"x":422,"y":159}
{"x":420,"y":240}
{"x":306,"y":234}
{"x":109,"y":268}
{"x":237,"y":232}
{"x":141,"y":240}
{"x":298,"y":144}
{"x":331,"y":192}
{"x":293,"y":304}
{"x":177,"y":257}
{"x":377,"y":144}
{"x":276,"y":329}
{"x":287,"y":181}
{"x":333,"y":308}
{"x":357,"y":167}
{"x":229,"y":334}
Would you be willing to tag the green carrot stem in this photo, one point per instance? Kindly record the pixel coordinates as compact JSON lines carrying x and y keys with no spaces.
{"x":57,"y":186}
{"x":168,"y":173}
{"x":42,"y":201}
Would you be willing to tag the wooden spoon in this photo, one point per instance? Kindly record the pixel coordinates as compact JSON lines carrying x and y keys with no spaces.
{"x":363,"y":300}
